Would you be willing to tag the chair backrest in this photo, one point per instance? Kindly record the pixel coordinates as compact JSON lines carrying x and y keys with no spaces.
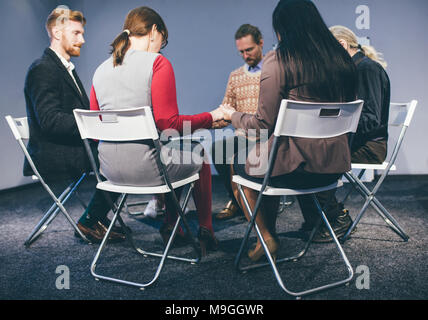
{"x":117,"y":125}
{"x":317,"y":120}
{"x":21,"y":132}
{"x":19,"y":127}
{"x":401,"y":114}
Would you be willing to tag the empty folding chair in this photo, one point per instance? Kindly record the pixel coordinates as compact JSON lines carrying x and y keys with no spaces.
{"x":400,"y":115}
{"x":133,"y":125}
{"x":21,"y":132}
{"x":307,"y":120}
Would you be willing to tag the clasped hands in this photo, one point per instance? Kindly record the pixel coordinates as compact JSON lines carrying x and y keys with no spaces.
{"x":223,"y":112}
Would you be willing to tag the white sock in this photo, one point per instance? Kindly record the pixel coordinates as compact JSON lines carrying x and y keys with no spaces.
{"x":150,"y":210}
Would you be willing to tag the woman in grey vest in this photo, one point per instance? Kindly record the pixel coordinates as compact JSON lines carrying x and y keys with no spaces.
{"x":137,"y":75}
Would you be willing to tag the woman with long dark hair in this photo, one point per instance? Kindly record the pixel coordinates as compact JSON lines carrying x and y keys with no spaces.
{"x":137,"y":75}
{"x":308,"y":65}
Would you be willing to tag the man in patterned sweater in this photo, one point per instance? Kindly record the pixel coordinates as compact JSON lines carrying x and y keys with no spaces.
{"x":242,"y":93}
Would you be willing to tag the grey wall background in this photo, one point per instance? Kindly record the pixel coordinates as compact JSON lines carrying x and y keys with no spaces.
{"x":202,"y":50}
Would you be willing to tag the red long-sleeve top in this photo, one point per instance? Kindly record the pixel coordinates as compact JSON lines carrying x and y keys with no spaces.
{"x":164,"y":100}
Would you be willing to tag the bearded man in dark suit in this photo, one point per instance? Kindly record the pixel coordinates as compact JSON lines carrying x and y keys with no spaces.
{"x":52,"y":90}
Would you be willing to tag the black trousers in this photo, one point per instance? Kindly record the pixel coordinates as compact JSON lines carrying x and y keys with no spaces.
{"x":300,"y":179}
{"x":223,"y":152}
{"x":98,"y":206}
{"x":371,"y":152}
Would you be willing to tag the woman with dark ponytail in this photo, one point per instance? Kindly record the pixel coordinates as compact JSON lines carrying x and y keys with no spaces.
{"x":137,"y":75}
{"x":119,"y":47}
{"x":138,"y":23}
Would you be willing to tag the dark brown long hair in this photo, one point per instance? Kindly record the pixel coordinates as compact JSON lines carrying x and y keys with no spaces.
{"x":139,"y":22}
{"x":311,"y":56}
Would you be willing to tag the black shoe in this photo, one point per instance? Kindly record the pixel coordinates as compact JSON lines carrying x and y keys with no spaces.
{"x":117,"y":229}
{"x":340,"y":225}
{"x":96,"y":233}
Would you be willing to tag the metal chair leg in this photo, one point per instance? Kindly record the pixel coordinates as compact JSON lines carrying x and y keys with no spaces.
{"x":370,"y":199}
{"x":351,"y":189}
{"x":53,"y":211}
{"x":274,"y":263}
{"x":47,"y":218}
{"x":293,"y":258}
{"x":380,"y":209}
{"x":177,"y":223}
{"x":163,"y":256}
{"x":388,"y":218}
{"x":342,"y":254}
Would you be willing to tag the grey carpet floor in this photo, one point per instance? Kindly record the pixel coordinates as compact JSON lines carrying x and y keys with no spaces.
{"x":389,"y":268}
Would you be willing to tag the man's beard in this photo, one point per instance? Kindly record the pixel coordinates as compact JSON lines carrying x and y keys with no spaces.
{"x":251,"y":62}
{"x":73,"y":51}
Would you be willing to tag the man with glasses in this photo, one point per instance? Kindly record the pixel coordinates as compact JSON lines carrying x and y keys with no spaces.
{"x":242,"y":93}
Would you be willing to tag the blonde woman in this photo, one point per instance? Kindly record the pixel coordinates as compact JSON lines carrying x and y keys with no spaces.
{"x":370,"y":141}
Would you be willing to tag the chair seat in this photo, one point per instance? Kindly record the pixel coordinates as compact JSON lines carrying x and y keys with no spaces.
{"x":108,"y":186}
{"x":271,"y":191}
{"x":367,"y":166}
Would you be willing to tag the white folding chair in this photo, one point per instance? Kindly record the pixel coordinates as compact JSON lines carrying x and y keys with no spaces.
{"x":133,"y":125}
{"x":400,"y":115}
{"x":307,"y":120}
{"x":137,"y":203}
{"x":21,"y":132}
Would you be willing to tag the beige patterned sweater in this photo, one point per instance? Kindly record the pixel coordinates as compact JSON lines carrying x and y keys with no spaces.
{"x":242,"y":92}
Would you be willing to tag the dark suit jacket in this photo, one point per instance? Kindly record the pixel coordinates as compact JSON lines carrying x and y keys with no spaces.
{"x":51,"y":95}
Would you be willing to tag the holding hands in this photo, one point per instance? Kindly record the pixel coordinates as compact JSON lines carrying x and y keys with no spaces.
{"x":217,"y":114}
{"x":223,"y":112}
{"x":220,"y":115}
{"x":227,"y":111}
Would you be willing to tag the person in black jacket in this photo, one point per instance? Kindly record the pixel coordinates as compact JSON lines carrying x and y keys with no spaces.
{"x":369,"y":143}
{"x":52,"y":90}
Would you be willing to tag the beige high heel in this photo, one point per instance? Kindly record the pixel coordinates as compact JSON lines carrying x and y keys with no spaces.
{"x":257,"y":253}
